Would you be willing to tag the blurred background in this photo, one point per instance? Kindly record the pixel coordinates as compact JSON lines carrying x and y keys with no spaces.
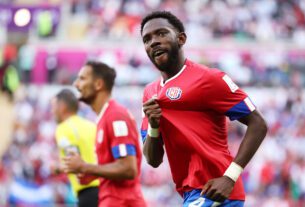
{"x":43,"y":44}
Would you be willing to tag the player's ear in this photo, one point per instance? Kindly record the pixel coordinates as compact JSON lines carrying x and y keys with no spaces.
{"x":181,"y":39}
{"x":99,"y":84}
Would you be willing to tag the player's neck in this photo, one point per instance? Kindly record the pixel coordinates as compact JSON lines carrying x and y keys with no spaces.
{"x":67,"y":115}
{"x":101,"y":99}
{"x":174,"y":69}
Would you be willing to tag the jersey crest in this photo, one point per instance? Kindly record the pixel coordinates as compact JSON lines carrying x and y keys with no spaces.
{"x":173,"y":93}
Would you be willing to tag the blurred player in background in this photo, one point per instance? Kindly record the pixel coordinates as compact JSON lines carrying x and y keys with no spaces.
{"x":75,"y":134}
{"x":117,"y":141}
{"x":186,"y":112}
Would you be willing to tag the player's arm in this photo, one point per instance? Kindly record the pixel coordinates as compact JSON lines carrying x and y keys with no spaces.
{"x":153,"y":151}
{"x":219,"y":189}
{"x":56,"y":169}
{"x":242,"y":109}
{"x":255,"y":134}
{"x":121,"y":169}
{"x":153,"y":145}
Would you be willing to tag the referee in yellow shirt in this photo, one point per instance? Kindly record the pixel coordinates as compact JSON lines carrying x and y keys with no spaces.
{"x":75,"y":134}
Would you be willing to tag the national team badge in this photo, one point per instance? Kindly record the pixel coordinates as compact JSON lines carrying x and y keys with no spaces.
{"x":173,"y":93}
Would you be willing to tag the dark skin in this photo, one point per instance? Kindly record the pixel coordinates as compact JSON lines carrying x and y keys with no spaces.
{"x":121,"y":169}
{"x":159,"y":35}
{"x":153,"y":148}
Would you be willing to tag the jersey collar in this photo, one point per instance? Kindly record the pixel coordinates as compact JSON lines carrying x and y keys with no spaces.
{"x":162,"y":83}
{"x":102,"y":112}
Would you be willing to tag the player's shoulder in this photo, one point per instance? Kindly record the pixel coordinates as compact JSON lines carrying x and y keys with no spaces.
{"x":82,"y":120}
{"x":62,"y":126}
{"x":209,"y":72}
{"x":116,"y":110}
{"x":62,"y":129}
{"x":151,"y":89}
{"x":197,"y":68}
{"x":216,"y":74}
{"x":212,"y":77}
{"x":152,"y":85}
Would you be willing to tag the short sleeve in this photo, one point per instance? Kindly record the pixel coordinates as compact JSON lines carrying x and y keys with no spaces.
{"x":225,"y":97}
{"x":122,"y":132}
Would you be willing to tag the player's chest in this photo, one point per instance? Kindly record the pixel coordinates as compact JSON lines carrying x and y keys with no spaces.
{"x":102,"y":141}
{"x":181,"y":95}
{"x":102,"y":147}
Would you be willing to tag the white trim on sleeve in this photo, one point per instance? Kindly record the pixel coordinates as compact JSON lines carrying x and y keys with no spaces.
{"x":122,"y":150}
{"x":249,"y":103}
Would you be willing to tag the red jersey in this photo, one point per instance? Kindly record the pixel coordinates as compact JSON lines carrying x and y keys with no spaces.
{"x":117,"y":136}
{"x":194,"y":104}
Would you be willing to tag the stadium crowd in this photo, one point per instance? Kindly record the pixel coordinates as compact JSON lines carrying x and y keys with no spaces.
{"x":254,"y":67}
{"x":242,"y":20}
{"x":274,"y":176}
{"x":274,"y":78}
{"x":237,"y":19}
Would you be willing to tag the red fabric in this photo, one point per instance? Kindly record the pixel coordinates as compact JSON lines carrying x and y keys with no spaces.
{"x":86,"y":179}
{"x":105,"y":140}
{"x":193,"y":127}
{"x":115,"y":201}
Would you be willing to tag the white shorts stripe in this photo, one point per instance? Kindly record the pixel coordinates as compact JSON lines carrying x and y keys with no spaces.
{"x":249,"y":103}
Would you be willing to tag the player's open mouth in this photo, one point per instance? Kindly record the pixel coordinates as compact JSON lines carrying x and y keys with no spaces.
{"x":158,"y":54}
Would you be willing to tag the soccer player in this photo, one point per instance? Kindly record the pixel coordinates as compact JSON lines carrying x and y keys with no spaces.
{"x":75,"y":134}
{"x":117,"y":141}
{"x":185,"y":113}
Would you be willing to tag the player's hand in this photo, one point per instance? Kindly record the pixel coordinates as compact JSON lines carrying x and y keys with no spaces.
{"x":73,"y":163}
{"x":153,"y":111}
{"x":56,"y":169}
{"x":218,"y":189}
{"x":80,"y":175}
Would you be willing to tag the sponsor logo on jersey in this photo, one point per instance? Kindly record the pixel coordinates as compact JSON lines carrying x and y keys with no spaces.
{"x":173,"y":93}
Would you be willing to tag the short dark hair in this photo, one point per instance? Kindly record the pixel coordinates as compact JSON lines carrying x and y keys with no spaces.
{"x":103,"y":71}
{"x":69,"y":98}
{"x":172,"y":19}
